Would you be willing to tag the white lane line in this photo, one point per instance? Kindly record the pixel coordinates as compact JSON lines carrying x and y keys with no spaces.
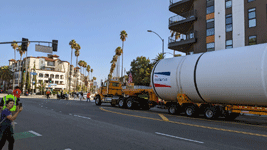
{"x":67,"y":149}
{"x":35,"y":133}
{"x":81,"y":117}
{"x":179,"y":138}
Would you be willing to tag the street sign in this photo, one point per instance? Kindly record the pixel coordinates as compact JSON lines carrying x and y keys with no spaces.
{"x":33,"y":73}
{"x":44,"y":49}
{"x":53,"y":84}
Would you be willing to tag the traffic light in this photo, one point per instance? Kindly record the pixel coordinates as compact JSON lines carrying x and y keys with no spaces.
{"x":24,"y":44}
{"x":50,"y":80}
{"x":54,"y":45}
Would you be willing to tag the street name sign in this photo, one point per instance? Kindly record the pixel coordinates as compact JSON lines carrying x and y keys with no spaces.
{"x":44,"y":49}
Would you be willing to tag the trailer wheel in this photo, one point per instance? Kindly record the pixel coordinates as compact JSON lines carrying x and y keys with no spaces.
{"x":173,"y":109}
{"x":191,"y":111}
{"x":121,"y":103}
{"x":211,"y":113}
{"x":129,"y":103}
{"x":231,"y":116}
{"x":97,"y":101}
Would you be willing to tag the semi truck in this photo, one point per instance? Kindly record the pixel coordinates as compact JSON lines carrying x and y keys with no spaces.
{"x":221,"y":83}
{"x":112,"y":91}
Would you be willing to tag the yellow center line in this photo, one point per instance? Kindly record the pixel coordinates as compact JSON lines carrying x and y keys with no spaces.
{"x":163,"y":117}
{"x":201,"y":119}
{"x":188,"y":124}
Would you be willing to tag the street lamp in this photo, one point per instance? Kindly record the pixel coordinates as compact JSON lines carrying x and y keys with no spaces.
{"x":160,"y":38}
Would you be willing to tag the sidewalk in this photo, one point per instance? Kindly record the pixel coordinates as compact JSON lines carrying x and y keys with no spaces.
{"x":44,"y":97}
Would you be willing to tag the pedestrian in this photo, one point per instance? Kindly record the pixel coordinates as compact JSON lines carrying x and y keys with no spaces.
{"x":88,"y":96}
{"x":47,"y":94}
{"x":6,"y":129}
{"x":17,"y":92}
{"x":81,"y":97}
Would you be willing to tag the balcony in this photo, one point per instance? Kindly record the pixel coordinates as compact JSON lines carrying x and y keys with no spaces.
{"x":183,"y":22}
{"x":180,"y":6}
{"x":184,"y":43}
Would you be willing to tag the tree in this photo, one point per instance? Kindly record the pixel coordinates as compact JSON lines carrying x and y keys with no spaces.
{"x":28,"y":81}
{"x":141,"y":70}
{"x":14,"y":46}
{"x":72,"y":44}
{"x":92,"y":72}
{"x":123,"y":37}
{"x":84,"y":66}
{"x":41,"y":86}
{"x":88,"y":69}
{"x":177,"y":55}
{"x":77,"y":51}
{"x":94,"y":78}
{"x":77,"y":54}
{"x":6,"y":75}
{"x":21,"y":52}
{"x":158,"y":58}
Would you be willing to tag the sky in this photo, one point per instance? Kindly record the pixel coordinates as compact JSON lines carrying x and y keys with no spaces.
{"x":94,"y":24}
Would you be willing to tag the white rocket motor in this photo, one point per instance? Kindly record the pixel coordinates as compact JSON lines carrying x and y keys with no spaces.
{"x":232,"y":76}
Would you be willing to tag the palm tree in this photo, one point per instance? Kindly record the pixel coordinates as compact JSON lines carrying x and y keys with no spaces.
{"x":91,"y":72}
{"x":14,"y":46}
{"x":123,"y":37}
{"x":72,"y":44}
{"x":21,"y":52}
{"x":84,"y":66}
{"x":88,"y":69}
{"x":81,"y":62}
{"x":77,"y":52}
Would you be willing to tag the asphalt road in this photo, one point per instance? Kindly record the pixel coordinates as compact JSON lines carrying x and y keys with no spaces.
{"x":78,"y":125}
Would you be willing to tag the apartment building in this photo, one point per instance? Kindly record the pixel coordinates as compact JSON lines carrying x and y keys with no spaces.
{"x":48,"y":67}
{"x":208,"y":25}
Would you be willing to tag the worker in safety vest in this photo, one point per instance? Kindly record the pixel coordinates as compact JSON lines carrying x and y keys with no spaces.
{"x":9,"y":96}
{"x":14,"y":108}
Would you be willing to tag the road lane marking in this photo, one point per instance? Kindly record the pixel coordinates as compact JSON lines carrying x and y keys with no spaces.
{"x":35,"y":133}
{"x":81,"y":117}
{"x":185,"y":117}
{"x":163,"y":117}
{"x":188,"y":124}
{"x":68,"y":149}
{"x":179,"y":138}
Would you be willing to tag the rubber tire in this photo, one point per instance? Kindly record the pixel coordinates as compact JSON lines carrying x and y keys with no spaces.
{"x":97,"y":101}
{"x":191,"y":111}
{"x":123,"y":103}
{"x":231,"y":116}
{"x":130,"y":100}
{"x":173,"y":109}
{"x":211,"y":113}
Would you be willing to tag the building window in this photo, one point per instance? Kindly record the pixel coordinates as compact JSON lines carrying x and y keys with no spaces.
{"x":210,"y":23}
{"x":229,"y":44}
{"x":50,"y":63}
{"x":40,"y":81}
{"x":210,"y":9}
{"x":210,"y":31}
{"x":228,"y":4}
{"x":252,"y":17}
{"x":228,"y":21}
{"x":41,"y":75}
{"x":210,"y":47}
{"x":250,"y":1}
{"x":61,"y":82}
{"x":210,"y":3}
{"x":252,"y":40}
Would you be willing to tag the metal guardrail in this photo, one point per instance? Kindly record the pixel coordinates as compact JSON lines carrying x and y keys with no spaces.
{"x":183,"y":16}
{"x":183,"y":37}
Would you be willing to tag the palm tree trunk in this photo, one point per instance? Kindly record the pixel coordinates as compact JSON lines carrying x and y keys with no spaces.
{"x":70,"y":70}
{"x":19,"y":71}
{"x":122,"y":59}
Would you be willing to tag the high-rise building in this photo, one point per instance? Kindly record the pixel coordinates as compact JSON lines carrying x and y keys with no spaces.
{"x":208,"y":25}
